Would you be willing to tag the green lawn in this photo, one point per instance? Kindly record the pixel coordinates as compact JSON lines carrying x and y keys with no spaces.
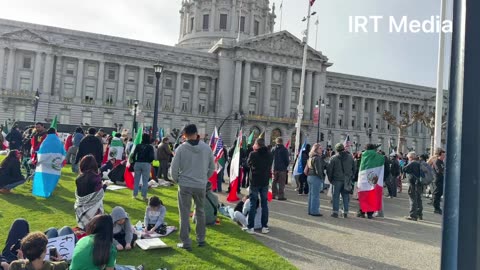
{"x":228,"y":247}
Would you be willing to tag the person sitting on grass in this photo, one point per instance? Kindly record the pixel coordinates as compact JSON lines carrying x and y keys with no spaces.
{"x":97,"y":251}
{"x":89,"y":193}
{"x":211,"y":206}
{"x":19,"y":229}
{"x":10,"y":172}
{"x":34,"y":249}
{"x":123,"y":236}
{"x":243,"y":217}
{"x":155,"y":216}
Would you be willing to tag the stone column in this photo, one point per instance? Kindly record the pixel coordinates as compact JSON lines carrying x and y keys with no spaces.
{"x":387,"y":108}
{"x":47,"y":75}
{"x":409,"y":110}
{"x":252,"y":19}
{"x":361,"y":110}
{"x":246,"y":88}
{"x":315,"y":90}
{"x":58,"y":65}
{"x":195,"y":95}
{"x":37,"y":71}
{"x":348,"y":112}
{"x":100,"y":81}
{"x":10,"y":68}
{"x":213,"y":14}
{"x":374,"y":115}
{"x":233,"y":18}
{"x":268,"y":91}
{"x":213,"y":90}
{"x":178,"y":92}
{"x":182,"y":22}
{"x":79,"y":82}
{"x":288,"y":93}
{"x":308,"y":96}
{"x":335,"y":111}
{"x":237,"y":86}
{"x":121,"y":84}
{"x":141,"y":84}
{"x":2,"y":63}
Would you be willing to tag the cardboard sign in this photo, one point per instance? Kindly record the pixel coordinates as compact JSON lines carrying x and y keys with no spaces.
{"x":64,"y":245}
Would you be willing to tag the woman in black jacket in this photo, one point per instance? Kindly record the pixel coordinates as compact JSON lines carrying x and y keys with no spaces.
{"x":10,"y":173}
{"x":142,"y":157}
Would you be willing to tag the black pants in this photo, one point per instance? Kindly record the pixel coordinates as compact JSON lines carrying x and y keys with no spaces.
{"x":437,"y":194}
{"x":18,"y":230}
{"x":246,"y":180}
{"x":392,"y":186}
{"x":369,"y":214}
{"x":415,"y":195}
{"x":303,"y":188}
{"x":120,"y":237}
{"x":163,"y":170}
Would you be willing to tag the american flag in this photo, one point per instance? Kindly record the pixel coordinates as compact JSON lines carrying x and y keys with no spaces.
{"x":218,"y":148}
{"x":312,"y":2}
{"x":347,"y":143}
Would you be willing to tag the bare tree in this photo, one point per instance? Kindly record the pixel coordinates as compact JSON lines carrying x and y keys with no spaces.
{"x":429,"y":122}
{"x":402,"y":125}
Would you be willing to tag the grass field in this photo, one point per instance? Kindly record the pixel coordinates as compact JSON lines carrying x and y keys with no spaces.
{"x":228,"y":247}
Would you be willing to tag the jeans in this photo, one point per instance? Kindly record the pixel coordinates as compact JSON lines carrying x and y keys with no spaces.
{"x":185,"y":195}
{"x":163,"y":169}
{"x":315,"y":183}
{"x":220,"y":180}
{"x":280,"y":179}
{"x":338,"y":188}
{"x":142,"y":169}
{"x":14,"y":185}
{"x":437,"y":194}
{"x":254,"y":192}
{"x":53,"y":232}
{"x":75,"y":167}
{"x":415,"y":196}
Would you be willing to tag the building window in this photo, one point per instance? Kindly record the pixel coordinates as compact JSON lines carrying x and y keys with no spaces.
{"x":65,"y":117}
{"x":27,"y":62}
{"x":86,"y":118}
{"x":20,"y":112}
{"x":167,"y":103}
{"x":327,"y":119}
{"x":353,"y":122}
{"x":68,"y":89}
{"x":251,"y":109}
{"x":168,"y":81}
{"x":203,"y":86}
{"x":353,"y":105}
{"x":340,"y":120}
{"x":328,"y":102}
{"x":185,"y":102}
{"x":89,"y":93}
{"x":192,"y":20}
{"x":131,"y":76}
{"x":377,"y":123}
{"x":242,"y":24}
{"x":223,"y":21}
{"x":91,"y":71}
{"x":378,"y":109}
{"x":148,"y":101}
{"x":108,"y":120}
{"x":186,"y":84}
{"x":129,"y":98}
{"x":340,"y":103}
{"x":256,"y":28}
{"x":25,"y":84}
{"x":150,"y":79}
{"x":366,"y":106}
{"x":109,"y":96}
{"x":206,"y":19}
{"x":253,"y":90}
{"x":294,"y":95}
{"x":111,"y":74}
{"x":365,"y":121}
{"x":202,"y":108}
{"x":70,"y":68}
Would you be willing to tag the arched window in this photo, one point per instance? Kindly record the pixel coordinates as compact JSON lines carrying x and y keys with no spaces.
{"x":275,"y":134}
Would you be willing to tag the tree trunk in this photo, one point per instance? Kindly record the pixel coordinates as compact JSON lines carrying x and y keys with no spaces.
{"x":401,"y":140}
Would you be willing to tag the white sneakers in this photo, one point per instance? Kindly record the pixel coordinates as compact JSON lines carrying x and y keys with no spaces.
{"x":265,"y":230}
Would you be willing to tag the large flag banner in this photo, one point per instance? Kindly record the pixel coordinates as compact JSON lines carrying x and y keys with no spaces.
{"x":298,"y":168}
{"x":250,"y":138}
{"x":347,"y":143}
{"x":219,"y":161}
{"x":116,"y":149}
{"x":213,"y":139}
{"x":235,"y":173}
{"x":128,"y":175}
{"x":370,"y":181}
{"x":50,"y":159}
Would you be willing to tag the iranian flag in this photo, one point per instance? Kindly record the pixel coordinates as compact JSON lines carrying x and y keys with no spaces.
{"x":128,"y":175}
{"x":370,"y":181}
{"x":235,"y":173}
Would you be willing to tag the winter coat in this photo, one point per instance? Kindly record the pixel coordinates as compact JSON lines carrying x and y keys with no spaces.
{"x":90,"y":145}
{"x":11,"y":175}
{"x":14,"y":138}
{"x":280,"y":158}
{"x":338,"y":173}
{"x":260,"y":163}
{"x":164,"y":152}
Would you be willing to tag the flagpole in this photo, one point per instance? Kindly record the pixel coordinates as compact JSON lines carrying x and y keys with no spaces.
{"x":316,"y":35}
{"x":302,"y":84}
{"x":281,"y":14}
{"x":439,"y":96}
{"x":239,"y":21}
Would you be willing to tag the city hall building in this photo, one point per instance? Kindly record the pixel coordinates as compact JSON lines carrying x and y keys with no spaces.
{"x":228,"y":60}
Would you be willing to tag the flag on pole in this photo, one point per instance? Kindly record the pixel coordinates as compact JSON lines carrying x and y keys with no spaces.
{"x":251,"y":137}
{"x":54,"y":123}
{"x":287,"y":145}
{"x":213,"y":139}
{"x":235,"y":170}
{"x":312,"y":2}
{"x":370,"y":181}
{"x":116,"y":149}
{"x":262,"y":135}
{"x":50,"y":157}
{"x":128,"y":175}
{"x":347,"y":143}
{"x":298,"y":168}
{"x":219,"y":161}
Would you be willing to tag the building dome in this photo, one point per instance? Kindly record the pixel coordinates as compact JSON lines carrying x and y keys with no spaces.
{"x":204,"y":22}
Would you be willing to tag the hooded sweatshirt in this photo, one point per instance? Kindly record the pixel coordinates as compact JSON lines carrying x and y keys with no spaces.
{"x":126,"y":228}
{"x":260,"y":162}
{"x":192,"y":164}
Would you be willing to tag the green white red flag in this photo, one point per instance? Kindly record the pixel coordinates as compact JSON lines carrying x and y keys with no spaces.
{"x":128,"y":175}
{"x":235,"y":170}
{"x":370,"y":181}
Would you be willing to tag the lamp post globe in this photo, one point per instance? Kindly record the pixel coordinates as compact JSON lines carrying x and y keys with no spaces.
{"x":158,"y":72}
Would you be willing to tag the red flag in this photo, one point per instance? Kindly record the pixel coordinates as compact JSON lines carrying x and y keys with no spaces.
{"x":288,"y":144}
{"x":213,"y":179}
{"x":312,"y":2}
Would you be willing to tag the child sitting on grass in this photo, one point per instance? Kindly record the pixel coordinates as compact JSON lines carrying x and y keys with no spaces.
{"x":123,"y":236}
{"x":155,"y":216}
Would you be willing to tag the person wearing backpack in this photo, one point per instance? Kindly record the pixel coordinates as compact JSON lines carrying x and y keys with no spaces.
{"x":412,"y":173}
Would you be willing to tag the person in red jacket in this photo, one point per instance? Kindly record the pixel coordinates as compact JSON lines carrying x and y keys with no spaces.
{"x":37,"y":139}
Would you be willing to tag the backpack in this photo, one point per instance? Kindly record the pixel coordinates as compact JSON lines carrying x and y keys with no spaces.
{"x":427,"y":174}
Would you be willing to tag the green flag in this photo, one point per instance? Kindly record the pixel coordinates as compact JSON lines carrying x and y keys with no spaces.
{"x":5,"y":127}
{"x":137,"y":141}
{"x":54,"y":123}
{"x":262,"y":135}
{"x":113,"y":133}
{"x":250,"y":138}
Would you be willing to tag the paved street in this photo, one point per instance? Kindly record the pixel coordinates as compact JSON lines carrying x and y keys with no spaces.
{"x":353,"y":243}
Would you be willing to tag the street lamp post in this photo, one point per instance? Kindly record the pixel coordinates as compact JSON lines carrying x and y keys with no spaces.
{"x":322,"y":104}
{"x":35,"y":104}
{"x":369,"y":133}
{"x":134,"y":127}
{"x":158,"y":72}
{"x":235,"y":117}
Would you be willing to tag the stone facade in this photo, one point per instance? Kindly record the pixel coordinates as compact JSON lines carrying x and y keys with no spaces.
{"x":91,"y":79}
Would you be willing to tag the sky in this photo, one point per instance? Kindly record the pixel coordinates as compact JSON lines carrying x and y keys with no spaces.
{"x":403,"y":57}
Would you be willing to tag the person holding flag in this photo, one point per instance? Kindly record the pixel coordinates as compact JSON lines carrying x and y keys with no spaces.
{"x":340,"y":173}
{"x":260,"y":162}
{"x":163,"y":155}
{"x":37,"y":138}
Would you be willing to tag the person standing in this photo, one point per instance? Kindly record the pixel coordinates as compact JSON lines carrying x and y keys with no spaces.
{"x":395,"y":173}
{"x":412,"y":172}
{"x":302,"y":179}
{"x":191,"y":168}
{"x":14,"y":138}
{"x":164,"y":154}
{"x":280,"y":168}
{"x":77,"y":138}
{"x":316,"y":174}
{"x":439,"y":167}
{"x":90,"y":144}
{"x":142,"y":157}
{"x":340,"y":173}
{"x":37,"y":138}
{"x":260,"y":163}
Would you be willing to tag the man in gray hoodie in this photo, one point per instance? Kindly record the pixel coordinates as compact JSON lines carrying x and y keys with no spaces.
{"x":191,"y":168}
{"x":123,"y":237}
